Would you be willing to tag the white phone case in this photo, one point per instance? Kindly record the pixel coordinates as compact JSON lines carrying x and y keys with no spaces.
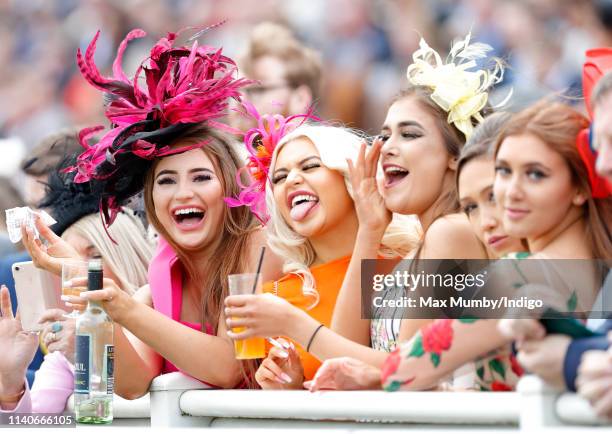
{"x":37,"y":290}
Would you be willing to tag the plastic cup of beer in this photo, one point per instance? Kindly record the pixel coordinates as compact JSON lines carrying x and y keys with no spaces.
{"x":255,"y":347}
{"x":72,"y":270}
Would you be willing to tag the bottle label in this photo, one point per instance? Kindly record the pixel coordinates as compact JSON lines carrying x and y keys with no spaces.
{"x":109,"y":368}
{"x":82,"y":363}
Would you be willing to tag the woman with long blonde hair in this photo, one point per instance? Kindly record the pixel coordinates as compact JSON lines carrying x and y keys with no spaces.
{"x":312,"y":224}
{"x":75,"y":207}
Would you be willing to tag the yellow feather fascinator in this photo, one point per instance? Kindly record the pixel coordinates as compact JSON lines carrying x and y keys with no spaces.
{"x":457,"y":86}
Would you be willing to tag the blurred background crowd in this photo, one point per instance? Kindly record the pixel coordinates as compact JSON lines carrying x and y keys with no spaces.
{"x":365,"y":46}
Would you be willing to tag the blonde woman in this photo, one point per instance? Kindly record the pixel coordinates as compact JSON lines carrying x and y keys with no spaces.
{"x":313,"y":225}
{"x":126,"y":261}
{"x":75,"y":207}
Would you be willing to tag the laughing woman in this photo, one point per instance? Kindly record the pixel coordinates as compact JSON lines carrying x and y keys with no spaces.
{"x":491,"y":364}
{"x":312,"y":224}
{"x":166,"y":140}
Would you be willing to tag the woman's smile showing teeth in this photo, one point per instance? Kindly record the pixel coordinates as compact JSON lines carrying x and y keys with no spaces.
{"x":394,"y":174}
{"x":301,"y":203}
{"x":187,"y":218}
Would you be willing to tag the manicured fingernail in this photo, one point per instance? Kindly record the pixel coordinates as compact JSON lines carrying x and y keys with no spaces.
{"x":68,"y":284}
{"x":65,"y":298}
{"x":286,"y":378}
{"x":283,"y":354}
{"x":83,"y":294}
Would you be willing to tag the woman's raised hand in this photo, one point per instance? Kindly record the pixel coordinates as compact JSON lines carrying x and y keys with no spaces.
{"x":18,"y":348}
{"x":370,"y":206}
{"x":48,"y":257}
{"x":282,"y":369}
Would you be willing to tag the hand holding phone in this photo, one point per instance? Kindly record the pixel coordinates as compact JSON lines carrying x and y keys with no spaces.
{"x":37,"y":290}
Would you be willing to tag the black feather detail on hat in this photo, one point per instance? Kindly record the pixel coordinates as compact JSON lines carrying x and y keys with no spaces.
{"x":67,"y":201}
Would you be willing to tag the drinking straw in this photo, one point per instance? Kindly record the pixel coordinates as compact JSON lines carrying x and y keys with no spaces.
{"x":261,"y":256}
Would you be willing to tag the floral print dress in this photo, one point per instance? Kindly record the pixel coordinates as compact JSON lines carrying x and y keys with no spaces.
{"x":443,"y":342}
{"x":427,"y":352}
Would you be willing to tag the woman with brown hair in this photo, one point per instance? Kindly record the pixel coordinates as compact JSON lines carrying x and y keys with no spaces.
{"x":166,"y":139}
{"x":544,"y":186}
{"x":552,"y":197}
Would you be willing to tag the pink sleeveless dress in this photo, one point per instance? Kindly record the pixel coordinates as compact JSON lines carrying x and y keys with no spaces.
{"x":166,"y":283}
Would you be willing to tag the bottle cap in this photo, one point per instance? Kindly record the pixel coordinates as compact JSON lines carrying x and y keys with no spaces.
{"x":94,"y":275}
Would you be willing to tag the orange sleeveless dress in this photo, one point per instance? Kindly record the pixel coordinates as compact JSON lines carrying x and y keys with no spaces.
{"x":328,"y":279}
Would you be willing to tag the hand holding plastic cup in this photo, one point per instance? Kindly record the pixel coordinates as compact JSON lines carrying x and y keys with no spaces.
{"x":240,"y":284}
{"x":73,"y":270}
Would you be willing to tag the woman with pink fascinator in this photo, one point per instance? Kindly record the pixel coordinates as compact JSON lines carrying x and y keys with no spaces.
{"x":168,"y":141}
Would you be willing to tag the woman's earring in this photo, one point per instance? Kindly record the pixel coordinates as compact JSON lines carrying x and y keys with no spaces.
{"x":579,"y":199}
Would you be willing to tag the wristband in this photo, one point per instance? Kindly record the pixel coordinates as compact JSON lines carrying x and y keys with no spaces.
{"x":313,"y":336}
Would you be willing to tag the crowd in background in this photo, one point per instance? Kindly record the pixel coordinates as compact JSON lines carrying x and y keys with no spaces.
{"x":365,"y":45}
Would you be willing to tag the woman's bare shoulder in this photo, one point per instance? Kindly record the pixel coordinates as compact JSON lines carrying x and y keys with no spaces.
{"x":451,"y":237}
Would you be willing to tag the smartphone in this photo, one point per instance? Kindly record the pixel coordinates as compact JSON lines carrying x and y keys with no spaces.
{"x":37,"y":290}
{"x":556,"y":322}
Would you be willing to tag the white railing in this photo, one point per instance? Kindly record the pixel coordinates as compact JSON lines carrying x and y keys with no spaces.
{"x":176,"y":400}
{"x":543,"y":407}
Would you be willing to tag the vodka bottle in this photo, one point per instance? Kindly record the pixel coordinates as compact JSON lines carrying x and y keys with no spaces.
{"x":94,"y":358}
